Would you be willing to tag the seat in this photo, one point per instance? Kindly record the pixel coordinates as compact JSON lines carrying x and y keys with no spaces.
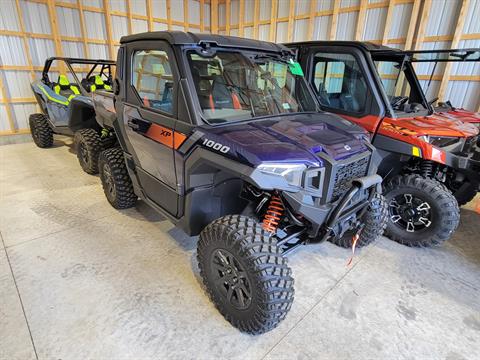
{"x":64,"y":88}
{"x":97,"y":83}
{"x":222,"y":97}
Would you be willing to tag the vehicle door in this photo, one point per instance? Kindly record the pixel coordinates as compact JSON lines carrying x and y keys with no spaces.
{"x":149,"y":114}
{"x":344,"y":84}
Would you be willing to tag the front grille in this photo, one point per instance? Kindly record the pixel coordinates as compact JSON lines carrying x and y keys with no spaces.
{"x":345,"y":173}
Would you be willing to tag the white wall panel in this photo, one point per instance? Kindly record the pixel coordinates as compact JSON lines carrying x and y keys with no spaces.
{"x":73,"y":49}
{"x":12,"y":51}
{"x":265,"y":9}
{"x":400,"y":21}
{"x":194,"y":12}
{"x":21,"y":113}
{"x":324,"y":5}
{"x":302,"y":7}
{"x":234,"y":12}
{"x":36,"y":18}
{"x":4,"y":125}
{"x":139,"y":26}
{"x":68,"y":22}
{"x":98,"y":51}
{"x":282,"y":29}
{"x":300,"y":30}
{"x":94,"y":3}
{"x":442,"y":18}
{"x":264,"y":32}
{"x":176,"y":9}
{"x":18,"y":83}
{"x":248,"y":32}
{"x":321,"y":27}
{"x":9,"y":18}
{"x":140,"y":6}
{"x":119,"y":27}
{"x":159,"y":9}
{"x":159,"y":26}
{"x":40,"y":49}
{"x":222,"y":15}
{"x":118,"y":5}
{"x":375,"y":24}
{"x":95,"y":25}
{"x":346,"y":25}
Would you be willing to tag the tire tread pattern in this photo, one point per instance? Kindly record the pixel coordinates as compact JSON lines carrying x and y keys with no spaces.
{"x":259,"y":252}
{"x":125,"y":195}
{"x":374,"y":221}
{"x":449,"y":216}
{"x":94,"y":146}
{"x":40,"y":123}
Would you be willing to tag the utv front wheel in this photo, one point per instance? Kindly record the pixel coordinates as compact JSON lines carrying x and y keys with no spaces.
{"x":374,"y":222}
{"x":245,"y":274}
{"x":422,"y":212}
{"x":88,"y":145}
{"x":116,"y":182}
{"x":41,"y":131}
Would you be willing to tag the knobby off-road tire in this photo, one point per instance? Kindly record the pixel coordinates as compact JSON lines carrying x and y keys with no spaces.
{"x":116,"y":182}
{"x":374,"y":223}
{"x":41,"y":131}
{"x":429,"y":199}
{"x":88,"y":146}
{"x":245,"y":274}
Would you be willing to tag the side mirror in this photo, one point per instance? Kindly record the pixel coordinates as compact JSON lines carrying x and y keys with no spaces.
{"x":116,"y":87}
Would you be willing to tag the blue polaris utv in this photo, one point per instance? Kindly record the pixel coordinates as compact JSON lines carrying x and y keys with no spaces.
{"x":224,"y":137}
{"x":67,"y":106}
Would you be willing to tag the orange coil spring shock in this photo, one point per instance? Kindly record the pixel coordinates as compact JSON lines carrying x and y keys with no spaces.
{"x":273,"y":215}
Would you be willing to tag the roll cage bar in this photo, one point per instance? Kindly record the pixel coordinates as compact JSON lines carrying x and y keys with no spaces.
{"x":105,"y":67}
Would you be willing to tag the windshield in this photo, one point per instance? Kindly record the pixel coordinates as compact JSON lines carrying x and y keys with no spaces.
{"x":400,"y":85}
{"x":234,"y":86}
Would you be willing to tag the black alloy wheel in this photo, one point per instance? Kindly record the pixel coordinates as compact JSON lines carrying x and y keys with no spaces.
{"x":231,"y":279}
{"x":410,"y":212}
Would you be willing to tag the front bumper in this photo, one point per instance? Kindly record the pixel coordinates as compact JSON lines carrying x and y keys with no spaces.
{"x":324,"y":217}
{"x":469,"y":164}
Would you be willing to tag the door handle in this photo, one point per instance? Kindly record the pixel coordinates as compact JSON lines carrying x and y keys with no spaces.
{"x":133,"y":125}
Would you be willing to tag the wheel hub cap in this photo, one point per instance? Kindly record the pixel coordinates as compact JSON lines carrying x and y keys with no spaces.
{"x":410,"y":212}
{"x":230,"y":278}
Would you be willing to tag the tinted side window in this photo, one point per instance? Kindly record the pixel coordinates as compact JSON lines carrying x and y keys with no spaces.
{"x":153,"y":80}
{"x":339,"y":82}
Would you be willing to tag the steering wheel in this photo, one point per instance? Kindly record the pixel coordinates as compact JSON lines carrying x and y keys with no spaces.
{"x":398,"y":101}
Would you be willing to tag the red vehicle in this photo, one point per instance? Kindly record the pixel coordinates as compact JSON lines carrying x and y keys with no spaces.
{"x":426,"y":156}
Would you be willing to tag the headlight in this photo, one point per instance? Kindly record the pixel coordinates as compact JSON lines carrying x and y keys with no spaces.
{"x":439,"y":141}
{"x":292,"y":173}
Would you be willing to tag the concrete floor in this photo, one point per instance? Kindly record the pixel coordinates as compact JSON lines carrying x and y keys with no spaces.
{"x":79,"y":279}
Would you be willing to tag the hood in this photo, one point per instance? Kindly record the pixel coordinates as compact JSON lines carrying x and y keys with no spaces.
{"x":435,"y":125}
{"x":462,"y":115}
{"x":298,"y":138}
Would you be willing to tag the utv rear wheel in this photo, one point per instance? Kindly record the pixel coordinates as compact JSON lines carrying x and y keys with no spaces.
{"x":374,"y":222}
{"x":116,"y":182}
{"x":41,"y":131}
{"x":245,"y":274}
{"x":88,"y":145}
{"x":422,"y":212}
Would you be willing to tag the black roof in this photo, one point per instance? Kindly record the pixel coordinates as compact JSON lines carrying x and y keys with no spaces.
{"x":189,"y":38}
{"x":364,"y":45}
{"x":81,"y":60}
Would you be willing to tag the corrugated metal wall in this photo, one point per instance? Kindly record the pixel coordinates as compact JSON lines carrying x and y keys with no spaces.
{"x":92,"y":28}
{"x":82,"y":28}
